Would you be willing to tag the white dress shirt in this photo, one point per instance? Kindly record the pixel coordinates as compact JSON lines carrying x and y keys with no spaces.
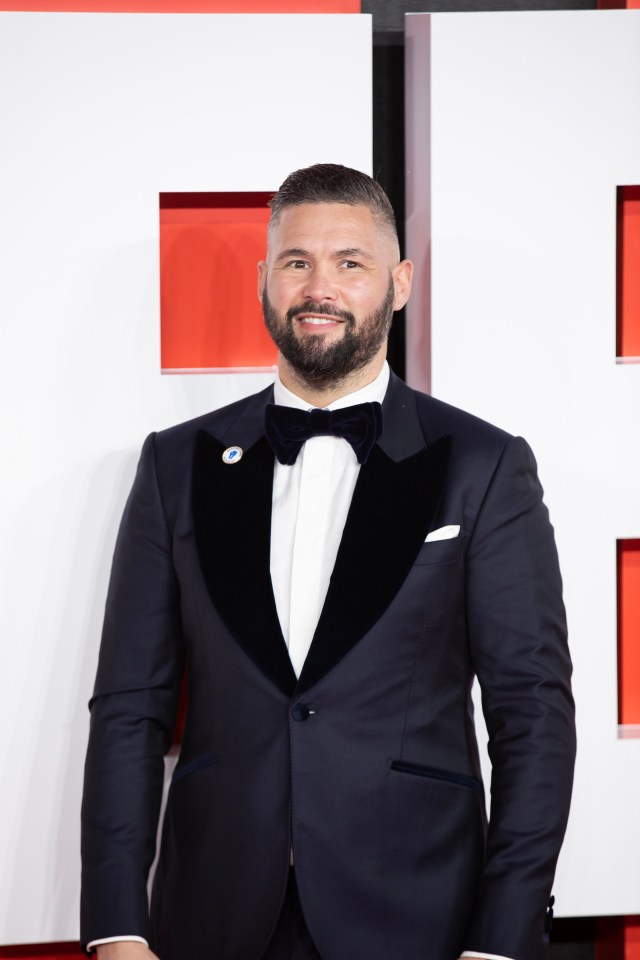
{"x":311,"y":500}
{"x":310,"y":503}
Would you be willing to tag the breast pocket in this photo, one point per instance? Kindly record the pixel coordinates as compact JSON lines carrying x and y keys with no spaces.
{"x":440,"y":551}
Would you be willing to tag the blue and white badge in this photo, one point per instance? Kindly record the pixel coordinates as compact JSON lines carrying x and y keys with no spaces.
{"x":232,"y":455}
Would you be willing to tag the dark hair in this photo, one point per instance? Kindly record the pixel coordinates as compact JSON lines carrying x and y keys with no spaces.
{"x":333,"y":183}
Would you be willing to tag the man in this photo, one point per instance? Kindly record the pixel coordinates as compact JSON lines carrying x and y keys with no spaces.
{"x":332,"y":603}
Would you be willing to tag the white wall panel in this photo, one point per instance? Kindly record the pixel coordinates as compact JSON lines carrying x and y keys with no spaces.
{"x":521,"y":126}
{"x":99,"y":113}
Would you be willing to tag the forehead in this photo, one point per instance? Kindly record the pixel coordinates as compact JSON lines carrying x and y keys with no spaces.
{"x":319,"y":226}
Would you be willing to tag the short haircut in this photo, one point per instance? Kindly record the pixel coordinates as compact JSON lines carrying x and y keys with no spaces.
{"x":333,"y":183}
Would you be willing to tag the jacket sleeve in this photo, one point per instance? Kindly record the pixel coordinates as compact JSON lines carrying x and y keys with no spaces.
{"x":133,"y":712}
{"x":518,"y":638}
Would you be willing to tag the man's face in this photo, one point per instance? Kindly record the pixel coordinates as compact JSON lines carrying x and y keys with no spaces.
{"x":329,"y":288}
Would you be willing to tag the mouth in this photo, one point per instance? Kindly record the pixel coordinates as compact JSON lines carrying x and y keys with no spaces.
{"x":318,"y":322}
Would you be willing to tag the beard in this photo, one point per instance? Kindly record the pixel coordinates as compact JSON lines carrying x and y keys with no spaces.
{"x":321,"y":364}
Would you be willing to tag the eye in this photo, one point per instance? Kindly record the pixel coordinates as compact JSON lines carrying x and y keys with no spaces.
{"x":298,"y":264}
{"x":349,"y":264}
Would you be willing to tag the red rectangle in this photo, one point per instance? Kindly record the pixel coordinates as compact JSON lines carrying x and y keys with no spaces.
{"x":628,"y":272}
{"x":632,"y":938}
{"x":42,"y":951}
{"x":617,"y":938}
{"x":618,"y":4}
{"x":182,"y":6}
{"x":210,"y":315}
{"x":628,"y":631}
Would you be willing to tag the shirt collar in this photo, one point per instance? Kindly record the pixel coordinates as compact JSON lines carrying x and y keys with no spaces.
{"x":371,"y":392}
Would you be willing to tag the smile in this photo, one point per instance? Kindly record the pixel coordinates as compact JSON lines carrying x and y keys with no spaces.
{"x":319,"y":321}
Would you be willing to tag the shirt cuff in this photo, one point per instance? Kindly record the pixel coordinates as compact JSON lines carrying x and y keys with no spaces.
{"x":483,"y":956}
{"x":96,"y":943}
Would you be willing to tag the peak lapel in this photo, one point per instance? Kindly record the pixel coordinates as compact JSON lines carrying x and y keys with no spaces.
{"x":394,"y":502}
{"x":232,"y":524}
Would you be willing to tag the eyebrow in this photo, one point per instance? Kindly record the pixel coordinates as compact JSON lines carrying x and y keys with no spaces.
{"x":353,"y":252}
{"x":292,"y":252}
{"x":339,"y":254}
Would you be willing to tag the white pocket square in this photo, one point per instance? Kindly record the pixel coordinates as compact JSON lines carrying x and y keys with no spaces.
{"x":443,"y":533}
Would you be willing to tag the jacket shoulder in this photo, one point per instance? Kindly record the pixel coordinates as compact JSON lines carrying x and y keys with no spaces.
{"x":238,"y":423}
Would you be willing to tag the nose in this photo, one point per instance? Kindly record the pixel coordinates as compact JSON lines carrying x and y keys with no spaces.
{"x":319,"y":285}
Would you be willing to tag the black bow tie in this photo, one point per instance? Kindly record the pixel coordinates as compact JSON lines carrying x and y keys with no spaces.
{"x":287,"y":428}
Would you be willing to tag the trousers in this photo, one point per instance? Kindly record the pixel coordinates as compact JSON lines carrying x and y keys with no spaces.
{"x":291,"y":939}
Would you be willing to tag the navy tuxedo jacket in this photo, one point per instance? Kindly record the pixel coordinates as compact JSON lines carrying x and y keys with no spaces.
{"x":367,"y":766}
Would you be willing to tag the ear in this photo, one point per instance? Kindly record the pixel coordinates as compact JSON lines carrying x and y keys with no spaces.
{"x":402,"y":278}
{"x":262,"y":278}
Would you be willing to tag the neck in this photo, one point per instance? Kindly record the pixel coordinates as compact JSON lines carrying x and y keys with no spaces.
{"x":322,"y":396}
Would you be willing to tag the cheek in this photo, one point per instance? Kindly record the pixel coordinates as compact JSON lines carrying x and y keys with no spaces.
{"x":365,"y":301}
{"x":282,"y":291}
{"x":288,"y":293}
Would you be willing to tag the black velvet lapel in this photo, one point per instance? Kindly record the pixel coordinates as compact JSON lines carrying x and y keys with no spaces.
{"x":232,"y":522}
{"x":393,"y":506}
{"x":391,"y":513}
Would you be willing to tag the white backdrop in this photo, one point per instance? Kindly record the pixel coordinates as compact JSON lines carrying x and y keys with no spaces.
{"x":521,"y":126}
{"x":99,"y":113}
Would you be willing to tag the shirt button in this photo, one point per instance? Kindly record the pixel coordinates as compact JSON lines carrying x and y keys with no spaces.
{"x":300,"y":711}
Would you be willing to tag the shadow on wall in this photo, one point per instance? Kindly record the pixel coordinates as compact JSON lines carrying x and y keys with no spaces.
{"x":86,"y":560}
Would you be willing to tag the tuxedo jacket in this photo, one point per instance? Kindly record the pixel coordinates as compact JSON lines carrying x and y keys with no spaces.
{"x":366,"y":767}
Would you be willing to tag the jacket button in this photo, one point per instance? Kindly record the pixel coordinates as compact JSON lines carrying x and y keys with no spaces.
{"x":300,"y":711}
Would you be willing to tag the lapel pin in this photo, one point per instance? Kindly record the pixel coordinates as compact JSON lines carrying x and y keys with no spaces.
{"x":232,"y":455}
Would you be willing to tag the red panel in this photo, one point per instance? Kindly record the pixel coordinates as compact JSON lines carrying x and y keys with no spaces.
{"x":183,"y":6}
{"x":609,"y":942}
{"x":618,"y":4}
{"x":628,"y":273}
{"x":632,"y":938}
{"x":210,"y":314}
{"x":628,"y":631}
{"x":42,"y":951}
{"x":617,"y":938}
